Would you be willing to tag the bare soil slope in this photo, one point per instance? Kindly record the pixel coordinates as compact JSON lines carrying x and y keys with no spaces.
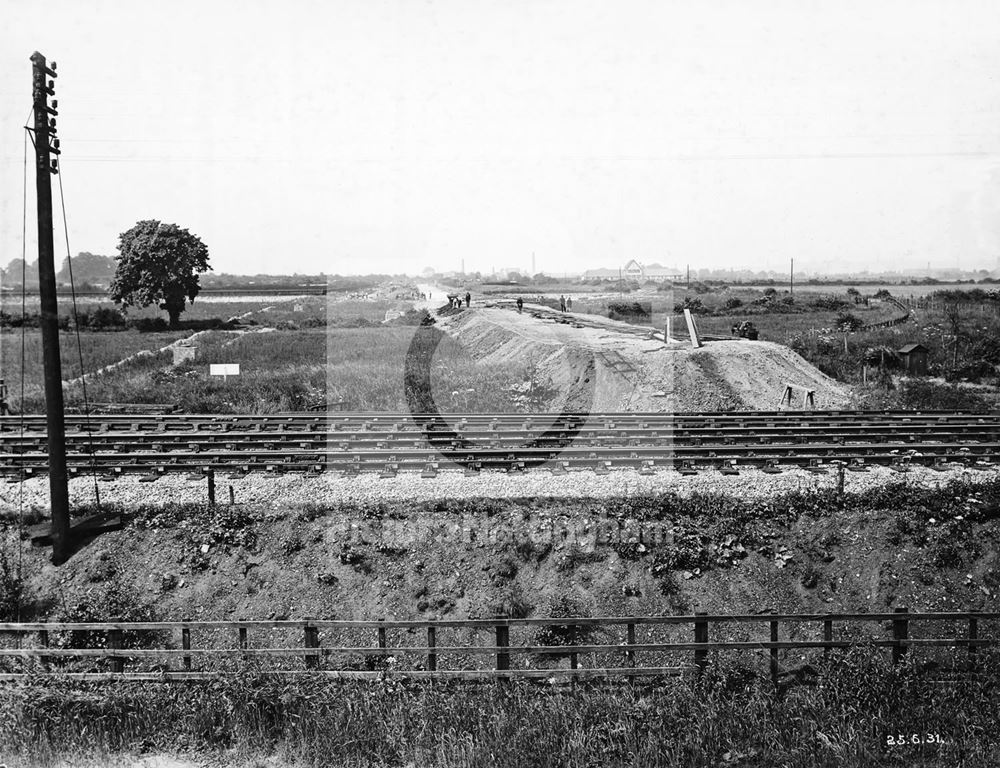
{"x":522,"y":558}
{"x":610,"y":368}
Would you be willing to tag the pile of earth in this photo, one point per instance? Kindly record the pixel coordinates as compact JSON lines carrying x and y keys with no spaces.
{"x":605,"y":366}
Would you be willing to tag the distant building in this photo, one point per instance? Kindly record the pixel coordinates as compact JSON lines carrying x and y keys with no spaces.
{"x":510,"y":273}
{"x":601,"y":274}
{"x":655,"y":272}
{"x":633,"y":271}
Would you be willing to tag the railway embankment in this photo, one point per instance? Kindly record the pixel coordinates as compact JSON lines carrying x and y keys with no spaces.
{"x":808,"y":549}
{"x":605,"y":365}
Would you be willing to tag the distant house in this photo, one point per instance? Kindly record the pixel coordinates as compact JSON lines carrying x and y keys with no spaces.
{"x":601,"y":274}
{"x":660,"y":274}
{"x":633,"y":271}
{"x":655,"y":272}
{"x":914,"y":358}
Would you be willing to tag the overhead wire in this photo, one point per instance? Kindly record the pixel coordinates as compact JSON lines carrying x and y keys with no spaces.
{"x":79,"y":343}
{"x":24,"y":329}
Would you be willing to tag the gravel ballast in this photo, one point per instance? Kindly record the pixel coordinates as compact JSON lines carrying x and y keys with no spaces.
{"x":284,"y":490}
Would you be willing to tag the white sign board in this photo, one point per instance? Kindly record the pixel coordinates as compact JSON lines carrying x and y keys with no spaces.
{"x":224,"y":369}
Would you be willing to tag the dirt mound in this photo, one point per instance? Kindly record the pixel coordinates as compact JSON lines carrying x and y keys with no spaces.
{"x":606,"y":366}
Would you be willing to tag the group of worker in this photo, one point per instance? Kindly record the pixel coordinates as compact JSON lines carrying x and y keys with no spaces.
{"x":455,"y":302}
{"x":565,"y":304}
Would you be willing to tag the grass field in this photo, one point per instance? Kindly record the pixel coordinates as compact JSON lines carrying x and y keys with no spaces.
{"x":732,"y":716}
{"x":282,"y":370}
{"x":262,"y":310}
{"x":99,"y":349}
{"x":774,"y":326}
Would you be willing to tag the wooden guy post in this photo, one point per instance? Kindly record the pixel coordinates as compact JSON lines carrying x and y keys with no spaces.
{"x":432,"y":659}
{"x":311,"y":640}
{"x":115,"y":644}
{"x":186,"y":645}
{"x":900,"y":631}
{"x":774,"y":654}
{"x":503,"y":641}
{"x":701,"y":636}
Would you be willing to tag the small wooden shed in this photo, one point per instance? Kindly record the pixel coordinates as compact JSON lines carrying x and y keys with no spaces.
{"x":914,"y":357}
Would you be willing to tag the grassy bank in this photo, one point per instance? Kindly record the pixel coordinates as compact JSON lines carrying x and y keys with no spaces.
{"x":732,"y":716}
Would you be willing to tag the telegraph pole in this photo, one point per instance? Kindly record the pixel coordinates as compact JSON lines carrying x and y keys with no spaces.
{"x":791,"y":279}
{"x":45,"y":127}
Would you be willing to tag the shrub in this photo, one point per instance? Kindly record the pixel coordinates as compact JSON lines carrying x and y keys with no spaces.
{"x":849,"y":322}
{"x":574,"y":555}
{"x":510,"y":604}
{"x":150,"y":324}
{"x":628,"y":308}
{"x":117,"y":600}
{"x":11,"y":589}
{"x":565,"y":606}
{"x":691,"y":303}
{"x":101,"y":319}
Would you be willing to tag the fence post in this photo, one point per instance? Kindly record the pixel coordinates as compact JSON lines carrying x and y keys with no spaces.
{"x":573,"y":656}
{"x":629,"y":642}
{"x":43,"y":637}
{"x":900,"y":631}
{"x":310,"y":640}
{"x":701,"y":636}
{"x":432,"y":658}
{"x":211,"y":486}
{"x":382,"y":642}
{"x":827,"y":636}
{"x":186,"y":645}
{"x":973,"y":635}
{"x":503,"y":641}
{"x":243,"y":642}
{"x":774,"y":653}
{"x":115,"y":644}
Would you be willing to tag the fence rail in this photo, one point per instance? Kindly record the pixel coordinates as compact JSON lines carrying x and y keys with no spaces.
{"x":98,"y":650}
{"x":898,"y":320}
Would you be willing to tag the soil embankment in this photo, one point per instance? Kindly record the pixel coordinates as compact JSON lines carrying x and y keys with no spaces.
{"x":611,"y":368}
{"x":908,"y":544}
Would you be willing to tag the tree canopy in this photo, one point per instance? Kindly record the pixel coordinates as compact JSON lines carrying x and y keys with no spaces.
{"x":158,"y":264}
{"x":87,"y":267}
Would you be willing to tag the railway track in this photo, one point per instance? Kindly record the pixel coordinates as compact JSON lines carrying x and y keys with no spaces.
{"x":155,"y":445}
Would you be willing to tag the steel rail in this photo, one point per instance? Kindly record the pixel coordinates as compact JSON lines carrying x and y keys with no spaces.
{"x":393,"y":442}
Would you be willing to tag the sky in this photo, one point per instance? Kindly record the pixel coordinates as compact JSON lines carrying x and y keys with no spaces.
{"x":368,"y":136}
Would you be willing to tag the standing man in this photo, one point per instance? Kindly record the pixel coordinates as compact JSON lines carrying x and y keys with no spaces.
{"x":468,"y":299}
{"x":569,"y":303}
{"x":562,"y":303}
{"x":520,"y":304}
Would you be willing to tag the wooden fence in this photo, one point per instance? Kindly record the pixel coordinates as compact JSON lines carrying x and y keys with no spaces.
{"x":898,"y":320}
{"x":969,"y":307}
{"x":603,"y":647}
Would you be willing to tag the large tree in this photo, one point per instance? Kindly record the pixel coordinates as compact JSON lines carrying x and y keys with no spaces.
{"x":158,"y":264}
